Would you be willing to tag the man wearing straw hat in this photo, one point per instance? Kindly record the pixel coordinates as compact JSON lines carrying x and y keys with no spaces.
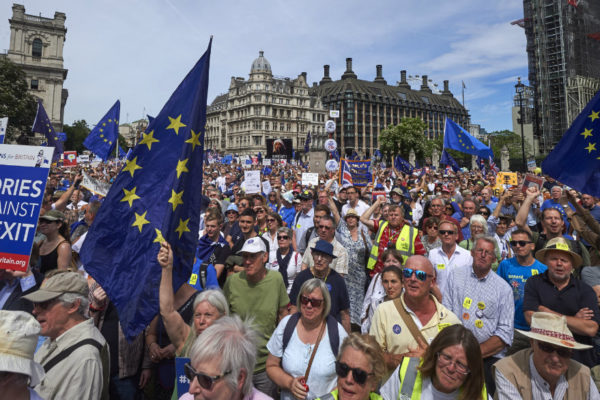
{"x":557,"y":291}
{"x":18,"y":372}
{"x":546,"y":370}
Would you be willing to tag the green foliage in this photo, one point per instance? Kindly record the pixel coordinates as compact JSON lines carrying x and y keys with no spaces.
{"x":76,"y":134}
{"x":401,"y":138}
{"x":16,"y":102}
{"x":512,"y":141}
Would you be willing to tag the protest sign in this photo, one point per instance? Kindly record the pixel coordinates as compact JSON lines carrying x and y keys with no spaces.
{"x":360,"y":171}
{"x":70,"y":159}
{"x":507,"y":178}
{"x":378,"y":193}
{"x":183,"y":383}
{"x":266,"y":162}
{"x":252,"y":181}
{"x":310,"y":178}
{"x":23,"y":175}
{"x":266,"y":187}
{"x":3,"y":126}
{"x":532,"y":180}
{"x":83,"y":158}
{"x":94,"y":185}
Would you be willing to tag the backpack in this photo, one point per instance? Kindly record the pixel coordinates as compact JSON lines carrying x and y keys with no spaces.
{"x":309,"y":232}
{"x":332,"y":328}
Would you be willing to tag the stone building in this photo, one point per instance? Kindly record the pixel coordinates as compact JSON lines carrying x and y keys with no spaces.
{"x":36,"y":45}
{"x":263,"y":107}
{"x":368,"y":107}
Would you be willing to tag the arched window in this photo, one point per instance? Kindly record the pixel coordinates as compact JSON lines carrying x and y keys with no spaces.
{"x":36,"y":48}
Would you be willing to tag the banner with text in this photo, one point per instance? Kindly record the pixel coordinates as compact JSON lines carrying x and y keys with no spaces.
{"x":94,"y":185}
{"x":361,"y":171}
{"x":23,"y":175}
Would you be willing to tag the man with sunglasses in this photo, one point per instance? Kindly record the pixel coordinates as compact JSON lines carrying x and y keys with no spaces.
{"x":479,"y":297}
{"x":515,"y":271}
{"x":389,"y":326}
{"x":546,"y":370}
{"x":436,"y":209}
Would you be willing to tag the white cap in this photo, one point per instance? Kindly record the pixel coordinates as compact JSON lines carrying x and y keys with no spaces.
{"x":253,"y":245}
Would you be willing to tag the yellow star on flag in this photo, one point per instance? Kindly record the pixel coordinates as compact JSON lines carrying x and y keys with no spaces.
{"x":590,"y":147}
{"x":132,"y":166}
{"x":148,"y":139}
{"x":182,"y":227}
{"x":176,"y":124}
{"x":181,"y":167}
{"x":105,"y":140}
{"x":194,"y":140}
{"x":159,"y":236}
{"x":594,"y":115}
{"x":140,"y":220}
{"x":101,"y":135}
{"x":101,"y":130}
{"x":104,"y":124}
{"x":587,"y":133}
{"x":130,"y":196}
{"x":175,"y":199}
{"x":109,"y":120}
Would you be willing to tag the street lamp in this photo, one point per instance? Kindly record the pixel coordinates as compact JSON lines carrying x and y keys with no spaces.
{"x":520,"y":88}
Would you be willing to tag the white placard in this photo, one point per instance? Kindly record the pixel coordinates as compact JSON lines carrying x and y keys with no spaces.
{"x":94,"y":185}
{"x":330,"y":126}
{"x":3,"y":126}
{"x":266,"y":186}
{"x":310,"y":178}
{"x":330,"y":145}
{"x":267,"y":161}
{"x":252,"y":181}
{"x":83,"y":158}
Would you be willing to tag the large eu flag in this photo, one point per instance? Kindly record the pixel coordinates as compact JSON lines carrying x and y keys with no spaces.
{"x":456,"y":138}
{"x":42,"y":125}
{"x":575,"y":160}
{"x":156,"y":197}
{"x":103,"y":138}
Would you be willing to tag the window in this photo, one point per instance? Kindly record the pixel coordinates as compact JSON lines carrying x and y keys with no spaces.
{"x":36,"y":48}
{"x":34,"y":84}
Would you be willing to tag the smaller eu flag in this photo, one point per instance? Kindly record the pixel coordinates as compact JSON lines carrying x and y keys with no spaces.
{"x":42,"y":125}
{"x":402,"y":165}
{"x":103,"y":138}
{"x":456,"y":138}
{"x":307,"y":143}
{"x":448,"y":160}
{"x":575,"y":160}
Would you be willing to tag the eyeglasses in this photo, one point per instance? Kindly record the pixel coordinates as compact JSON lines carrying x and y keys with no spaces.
{"x":206,"y":381}
{"x":314,"y":302}
{"x":317,"y":255}
{"x":260,"y":211}
{"x":270,"y":219}
{"x":421,"y":275}
{"x":521,"y":243}
{"x":446,"y":360}
{"x":560,"y":351}
{"x":487,"y":214}
{"x":283,"y":237}
{"x":325,"y":227}
{"x":484,"y":252}
{"x":444,"y":232}
{"x":433,"y":227}
{"x":360,"y":376}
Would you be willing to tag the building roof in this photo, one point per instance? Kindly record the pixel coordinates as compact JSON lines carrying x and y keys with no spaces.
{"x":261,"y":64}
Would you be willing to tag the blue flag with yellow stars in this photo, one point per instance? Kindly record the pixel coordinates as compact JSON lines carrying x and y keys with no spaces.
{"x":575,"y":160}
{"x":456,"y":138}
{"x":103,"y":138}
{"x":156,"y":197}
{"x":43,"y":126}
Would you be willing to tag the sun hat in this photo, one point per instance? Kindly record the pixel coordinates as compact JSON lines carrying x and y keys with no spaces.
{"x":232,"y":207}
{"x":559,"y":244}
{"x":288,"y":196}
{"x":324,"y":247}
{"x":552,"y":328}
{"x":253,"y":245}
{"x":19,"y":332}
{"x":56,"y":285}
{"x":351,"y":213}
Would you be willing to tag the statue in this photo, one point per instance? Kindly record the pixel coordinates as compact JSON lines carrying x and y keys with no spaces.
{"x":411,"y":157}
{"x":504,"y":159}
{"x":435,"y":158}
{"x":474,"y":166}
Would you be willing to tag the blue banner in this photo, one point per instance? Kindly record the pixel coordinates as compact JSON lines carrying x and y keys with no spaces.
{"x":23,"y":175}
{"x":361,"y":172}
{"x":183,"y":383}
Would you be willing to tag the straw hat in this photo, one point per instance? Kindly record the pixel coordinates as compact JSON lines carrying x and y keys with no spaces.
{"x":559,"y":244}
{"x":351,"y":213}
{"x":552,"y":328}
{"x":19,"y":332}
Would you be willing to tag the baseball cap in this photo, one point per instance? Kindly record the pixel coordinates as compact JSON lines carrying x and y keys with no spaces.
{"x":253,"y":245}
{"x":53,"y":215}
{"x":56,"y":285}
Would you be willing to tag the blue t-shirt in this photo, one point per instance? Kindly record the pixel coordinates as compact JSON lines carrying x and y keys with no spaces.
{"x":516,"y":275}
{"x":287,"y":214}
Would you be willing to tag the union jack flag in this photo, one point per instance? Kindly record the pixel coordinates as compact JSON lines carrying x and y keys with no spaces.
{"x":493,"y":166}
{"x":481,"y":165}
{"x":345,"y":174}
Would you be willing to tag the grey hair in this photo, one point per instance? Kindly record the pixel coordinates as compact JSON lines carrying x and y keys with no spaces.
{"x":215,"y":298}
{"x":486,"y":238}
{"x":69,"y":299}
{"x":478,"y":219}
{"x":309,"y":286}
{"x":441,"y":199}
{"x":232,"y":343}
{"x":557,"y":187}
{"x":286,"y":230}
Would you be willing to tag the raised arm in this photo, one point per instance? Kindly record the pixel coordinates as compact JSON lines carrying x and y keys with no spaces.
{"x":334,"y":211}
{"x":521,"y":218}
{"x":365,"y":218}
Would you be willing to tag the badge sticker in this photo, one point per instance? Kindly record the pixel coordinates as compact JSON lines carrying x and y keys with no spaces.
{"x":563,"y":246}
{"x":481,"y":305}
{"x":466,"y":316}
{"x":441,"y":266}
{"x":442,"y":326}
{"x":467,"y":302}
{"x":479,"y":323}
{"x":534,"y":272}
{"x":397,"y":329}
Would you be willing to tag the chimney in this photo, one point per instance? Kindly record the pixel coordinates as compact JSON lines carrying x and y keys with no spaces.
{"x":379,"y":77}
{"x":424,"y":85}
{"x":326,"y":77}
{"x":304,"y":75}
{"x":446,"y":91}
{"x":403,"y":83}
{"x":349,"y":73}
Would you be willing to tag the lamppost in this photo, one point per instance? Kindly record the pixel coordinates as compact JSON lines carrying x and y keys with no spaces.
{"x":520,"y":88}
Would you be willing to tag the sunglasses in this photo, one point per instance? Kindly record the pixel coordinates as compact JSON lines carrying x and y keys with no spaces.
{"x":548,"y":348}
{"x":487,"y":214}
{"x":325,"y":227}
{"x":421,"y":275}
{"x":444,"y":232}
{"x":270,"y":219}
{"x":360,"y":376}
{"x":433,"y":227}
{"x":314,"y":302}
{"x":206,"y":381}
{"x":521,"y":243}
{"x":283,"y":237}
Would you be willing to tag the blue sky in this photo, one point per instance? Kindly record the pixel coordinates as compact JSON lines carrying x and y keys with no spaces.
{"x":139,"y":50}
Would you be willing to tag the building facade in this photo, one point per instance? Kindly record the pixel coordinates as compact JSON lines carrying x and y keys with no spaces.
{"x":260,"y":108}
{"x":368,"y":107}
{"x":36,"y":45}
{"x":563,"y":49}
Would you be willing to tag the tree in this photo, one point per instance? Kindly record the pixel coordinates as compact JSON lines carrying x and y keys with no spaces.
{"x":401,"y":138}
{"x":76,"y":134}
{"x":16,"y":102}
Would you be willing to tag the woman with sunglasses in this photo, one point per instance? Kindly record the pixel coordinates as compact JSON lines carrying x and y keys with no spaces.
{"x":451,"y":368}
{"x":261,"y":218}
{"x":222,"y":361}
{"x":315,"y":332}
{"x":274,"y":222}
{"x":55,"y":249}
{"x":431,"y":238}
{"x":286,"y":260}
{"x":359,"y":369}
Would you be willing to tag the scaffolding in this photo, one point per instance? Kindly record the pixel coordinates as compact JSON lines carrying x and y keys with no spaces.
{"x":580,"y":91}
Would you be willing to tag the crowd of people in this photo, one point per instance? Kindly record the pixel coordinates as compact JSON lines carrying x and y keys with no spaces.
{"x":426,"y":285}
